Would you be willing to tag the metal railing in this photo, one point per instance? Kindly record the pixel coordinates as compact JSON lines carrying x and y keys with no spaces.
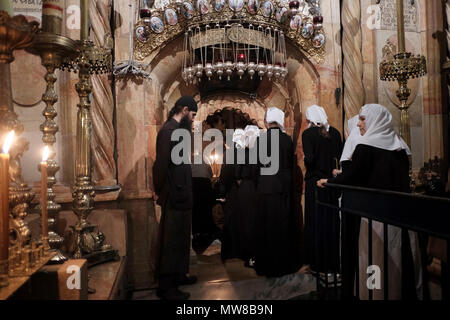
{"x":428,"y":216}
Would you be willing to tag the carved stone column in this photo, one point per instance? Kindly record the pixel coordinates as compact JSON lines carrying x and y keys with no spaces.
{"x":103,"y":134}
{"x":354,"y":95}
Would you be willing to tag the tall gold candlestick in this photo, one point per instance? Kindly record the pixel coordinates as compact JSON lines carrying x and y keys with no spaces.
{"x":84,"y":35}
{"x":4,"y":210}
{"x":44,"y":199}
{"x":400,"y":27}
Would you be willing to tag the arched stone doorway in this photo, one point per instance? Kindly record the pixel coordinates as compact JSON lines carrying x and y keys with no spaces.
{"x":301,"y":89}
{"x":143,"y":106}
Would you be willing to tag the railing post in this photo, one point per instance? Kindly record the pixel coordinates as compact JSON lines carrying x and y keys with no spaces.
{"x":316,"y":245}
{"x":369,"y":228}
{"x":445,"y":276}
{"x":386,"y":261}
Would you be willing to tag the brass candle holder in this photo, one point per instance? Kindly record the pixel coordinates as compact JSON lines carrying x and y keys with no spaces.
{"x":52,"y":49}
{"x":16,"y":33}
{"x":86,"y":242}
{"x":401,"y":68}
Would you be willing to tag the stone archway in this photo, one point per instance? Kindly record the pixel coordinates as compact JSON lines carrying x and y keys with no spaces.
{"x":301,"y":89}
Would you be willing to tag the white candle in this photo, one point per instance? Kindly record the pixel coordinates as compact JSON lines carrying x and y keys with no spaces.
{"x":4,"y":198}
{"x":44,"y":197}
{"x":52,"y":16}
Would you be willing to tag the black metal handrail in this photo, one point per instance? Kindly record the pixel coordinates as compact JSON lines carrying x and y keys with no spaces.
{"x":403,"y":210}
{"x":423,"y":214}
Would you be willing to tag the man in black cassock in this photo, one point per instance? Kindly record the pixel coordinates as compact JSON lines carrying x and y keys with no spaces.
{"x":173,"y":189}
{"x":278,"y":243}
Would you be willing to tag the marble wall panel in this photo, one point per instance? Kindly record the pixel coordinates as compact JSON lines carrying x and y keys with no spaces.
{"x":131,"y":147}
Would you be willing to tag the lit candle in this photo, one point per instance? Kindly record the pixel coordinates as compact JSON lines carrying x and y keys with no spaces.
{"x":52,"y":16}
{"x":44,"y":197}
{"x":4,"y":204}
{"x":6,"y":5}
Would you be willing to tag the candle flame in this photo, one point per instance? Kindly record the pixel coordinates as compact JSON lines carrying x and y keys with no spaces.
{"x":8,"y":142}
{"x":45,"y":154}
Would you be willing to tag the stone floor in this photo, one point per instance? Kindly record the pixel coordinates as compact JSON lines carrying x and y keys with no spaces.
{"x":233,"y":281}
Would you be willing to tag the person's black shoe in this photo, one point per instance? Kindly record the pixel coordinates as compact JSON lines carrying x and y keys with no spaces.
{"x":187,"y":280}
{"x":174,"y":294}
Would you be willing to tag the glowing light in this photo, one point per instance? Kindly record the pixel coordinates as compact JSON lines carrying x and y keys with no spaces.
{"x":45,"y":154}
{"x":8,"y":142}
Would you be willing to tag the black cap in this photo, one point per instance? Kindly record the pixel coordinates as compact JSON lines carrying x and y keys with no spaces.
{"x":187,"y":101}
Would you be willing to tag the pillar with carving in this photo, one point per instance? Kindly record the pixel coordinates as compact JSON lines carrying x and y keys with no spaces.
{"x":102,"y":109}
{"x":354,"y":95}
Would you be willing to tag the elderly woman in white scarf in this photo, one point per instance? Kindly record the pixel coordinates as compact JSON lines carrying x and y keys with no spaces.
{"x":380,"y":161}
{"x":350,"y":143}
{"x":322,"y":147}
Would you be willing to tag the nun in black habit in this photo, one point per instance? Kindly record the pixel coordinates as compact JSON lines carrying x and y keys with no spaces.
{"x":322,"y":147}
{"x":278,"y":241}
{"x":241,"y":201}
{"x":380,"y":161}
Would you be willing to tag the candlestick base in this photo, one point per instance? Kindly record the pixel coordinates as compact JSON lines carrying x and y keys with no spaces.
{"x":45,"y":245}
{"x":4,"y":282}
{"x":59,"y":257}
{"x":88,"y":243}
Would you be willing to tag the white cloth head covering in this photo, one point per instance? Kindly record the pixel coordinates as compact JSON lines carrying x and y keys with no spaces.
{"x":246,"y":138}
{"x":239,"y":138}
{"x":275,"y":115}
{"x":318,"y":116}
{"x":379,"y":130}
{"x":352,"y":139}
{"x":251,"y":134}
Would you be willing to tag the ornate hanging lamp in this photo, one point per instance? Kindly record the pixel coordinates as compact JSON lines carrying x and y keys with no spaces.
{"x":401,"y":68}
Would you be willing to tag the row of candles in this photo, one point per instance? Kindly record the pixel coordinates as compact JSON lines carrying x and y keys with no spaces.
{"x":33,"y":253}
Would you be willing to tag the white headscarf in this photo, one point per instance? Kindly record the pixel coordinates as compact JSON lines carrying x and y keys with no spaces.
{"x":352,"y":139}
{"x":246,"y":138}
{"x":275,"y":115}
{"x":239,"y":138}
{"x":317,"y":115}
{"x":251,"y":134}
{"x":379,"y":130}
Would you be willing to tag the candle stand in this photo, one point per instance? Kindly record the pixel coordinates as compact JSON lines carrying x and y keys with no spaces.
{"x":52,"y":48}
{"x":87,"y":243}
{"x":16,"y":33}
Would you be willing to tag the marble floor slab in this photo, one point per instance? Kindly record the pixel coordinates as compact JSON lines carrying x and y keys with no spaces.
{"x":233,"y":281}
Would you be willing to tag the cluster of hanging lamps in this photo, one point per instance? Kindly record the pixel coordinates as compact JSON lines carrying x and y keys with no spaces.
{"x":259,"y":51}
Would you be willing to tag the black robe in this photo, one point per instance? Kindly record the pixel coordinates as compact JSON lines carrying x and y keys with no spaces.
{"x":240,"y":209}
{"x":202,"y":219}
{"x":173,"y":185}
{"x":278,"y":242}
{"x":375,"y":168}
{"x":321,"y":226}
